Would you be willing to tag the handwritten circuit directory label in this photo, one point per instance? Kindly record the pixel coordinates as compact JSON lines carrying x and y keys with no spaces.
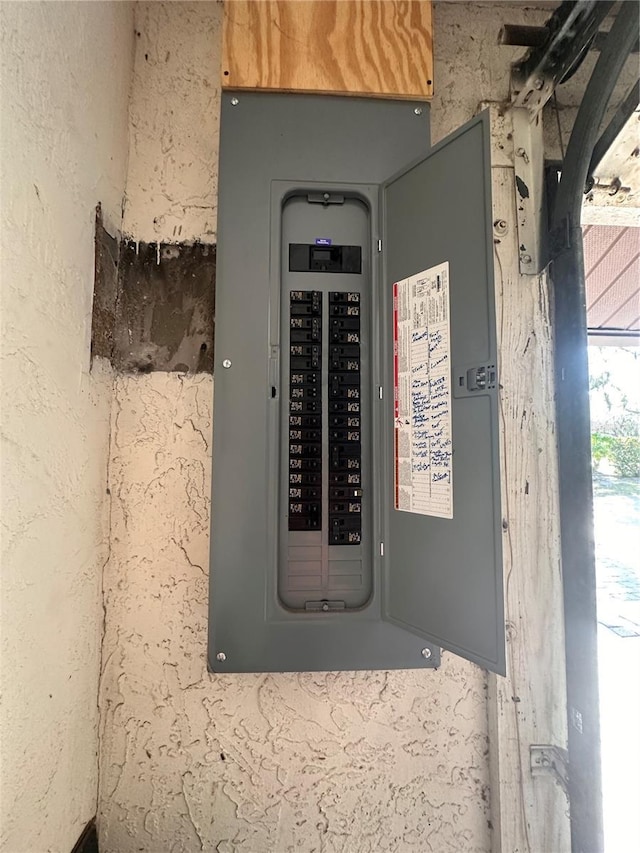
{"x":422,"y":393}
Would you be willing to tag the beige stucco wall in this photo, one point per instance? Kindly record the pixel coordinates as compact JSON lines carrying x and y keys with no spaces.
{"x":348,"y":762}
{"x":312,"y":761}
{"x":66,"y":71}
{"x":332,"y":762}
{"x":189,"y":761}
{"x":175,"y":105}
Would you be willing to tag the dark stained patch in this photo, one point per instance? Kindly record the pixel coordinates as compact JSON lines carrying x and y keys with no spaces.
{"x":153,"y":307}
{"x":105,"y":290}
{"x":523,"y":189}
{"x":165,"y":310}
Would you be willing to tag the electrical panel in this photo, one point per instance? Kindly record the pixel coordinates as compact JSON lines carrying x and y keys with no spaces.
{"x":356,"y":506}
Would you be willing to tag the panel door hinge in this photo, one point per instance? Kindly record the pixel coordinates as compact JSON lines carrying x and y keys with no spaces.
{"x":547,"y":760}
{"x":379,"y":245}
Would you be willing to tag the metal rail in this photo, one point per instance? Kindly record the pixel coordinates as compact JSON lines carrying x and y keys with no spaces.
{"x":574,"y":445}
{"x":572,"y":28}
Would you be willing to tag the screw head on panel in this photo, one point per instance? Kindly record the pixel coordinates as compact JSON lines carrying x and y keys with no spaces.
{"x":234,"y":102}
{"x":221,"y":657}
{"x":226,"y":363}
{"x":426,"y":653}
{"x":418,"y":111}
{"x":526,"y":259}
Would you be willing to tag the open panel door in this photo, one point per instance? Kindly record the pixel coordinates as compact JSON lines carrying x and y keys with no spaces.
{"x":442,"y":546}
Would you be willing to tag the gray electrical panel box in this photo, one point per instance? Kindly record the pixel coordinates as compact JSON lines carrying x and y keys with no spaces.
{"x":356,"y":506}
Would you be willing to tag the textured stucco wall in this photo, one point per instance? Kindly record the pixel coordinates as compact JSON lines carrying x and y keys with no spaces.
{"x":334,"y":762}
{"x":470,"y":66}
{"x":175,"y":103}
{"x":66,"y":70}
{"x":192,"y":761}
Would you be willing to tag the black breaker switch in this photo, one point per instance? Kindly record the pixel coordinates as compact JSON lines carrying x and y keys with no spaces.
{"x":305,"y":410}
{"x":345,"y":455}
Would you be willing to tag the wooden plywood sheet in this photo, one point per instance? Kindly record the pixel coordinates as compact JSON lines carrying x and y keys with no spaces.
{"x":377,"y":48}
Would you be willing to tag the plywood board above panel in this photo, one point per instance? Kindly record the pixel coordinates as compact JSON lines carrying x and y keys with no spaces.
{"x":376,"y":48}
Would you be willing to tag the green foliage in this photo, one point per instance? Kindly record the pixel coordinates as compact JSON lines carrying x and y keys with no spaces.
{"x":626,"y":424}
{"x":615,"y":407}
{"x":600,"y":447}
{"x":622,"y":451}
{"x":625,"y":456}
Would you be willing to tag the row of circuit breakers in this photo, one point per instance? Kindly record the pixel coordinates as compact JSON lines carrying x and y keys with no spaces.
{"x":308,"y":355}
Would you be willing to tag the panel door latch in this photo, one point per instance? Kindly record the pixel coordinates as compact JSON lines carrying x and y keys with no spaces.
{"x":547,"y":760}
{"x":475,"y":379}
{"x":481,"y":378}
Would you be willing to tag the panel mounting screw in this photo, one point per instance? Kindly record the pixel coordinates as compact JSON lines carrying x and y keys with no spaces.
{"x":221,"y":657}
{"x":426,"y":653}
{"x":418,"y":111}
{"x":526,"y":259}
{"x":234,"y":102}
{"x":226,"y":363}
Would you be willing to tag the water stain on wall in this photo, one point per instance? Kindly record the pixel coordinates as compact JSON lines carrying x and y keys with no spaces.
{"x":153,"y":304}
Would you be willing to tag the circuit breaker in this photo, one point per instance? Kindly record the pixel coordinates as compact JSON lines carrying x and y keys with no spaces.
{"x":325,"y":537}
{"x":356,"y":504}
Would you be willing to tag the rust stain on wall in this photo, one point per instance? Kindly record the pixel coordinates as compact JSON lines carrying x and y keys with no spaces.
{"x":153,"y":305}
